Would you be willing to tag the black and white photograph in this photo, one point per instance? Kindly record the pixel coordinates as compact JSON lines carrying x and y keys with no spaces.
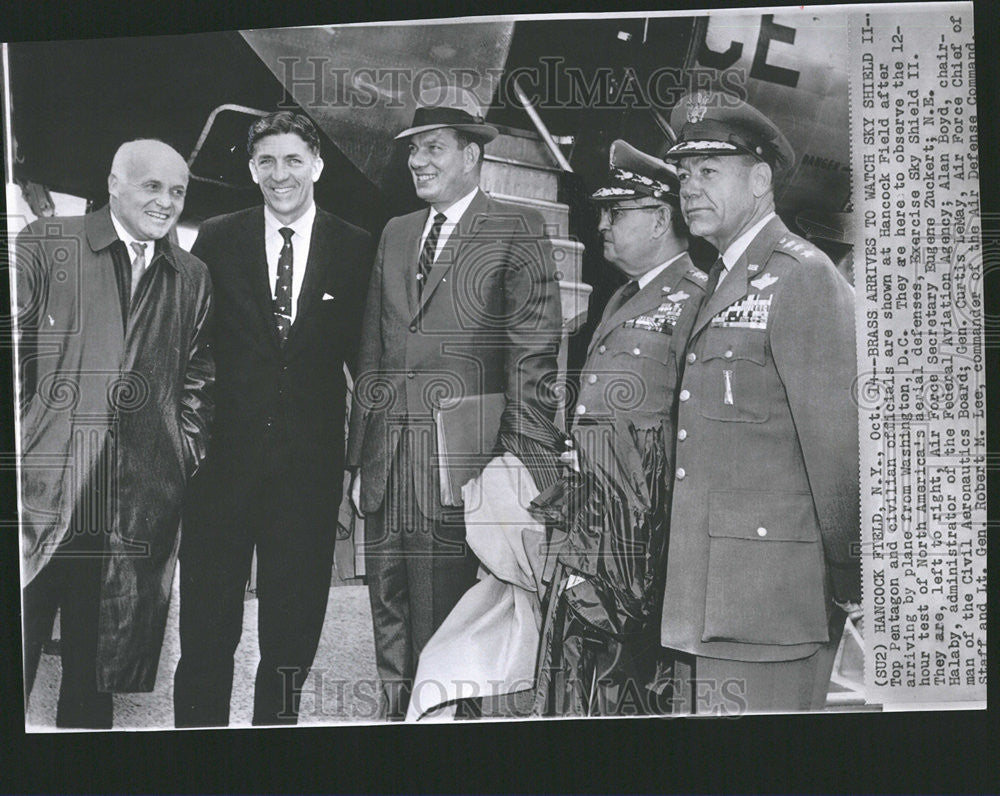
{"x":505,"y":368}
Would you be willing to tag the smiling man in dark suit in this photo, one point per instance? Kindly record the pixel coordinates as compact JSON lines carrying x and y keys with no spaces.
{"x":289,"y":284}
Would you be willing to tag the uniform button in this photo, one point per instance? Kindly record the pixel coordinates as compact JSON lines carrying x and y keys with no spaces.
{"x":284,"y":368}
{"x":411,"y":375}
{"x":592,"y":379}
{"x":581,"y":409}
{"x":728,"y":354}
{"x":680,"y":473}
{"x":635,"y":351}
{"x":601,"y":349}
{"x":684,"y":395}
{"x":691,"y":357}
{"x":762,"y":531}
{"x":413,"y":327}
{"x":682,"y":434}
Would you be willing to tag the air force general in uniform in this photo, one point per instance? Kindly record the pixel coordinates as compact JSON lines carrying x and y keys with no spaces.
{"x":765,"y":512}
{"x":604,"y":604}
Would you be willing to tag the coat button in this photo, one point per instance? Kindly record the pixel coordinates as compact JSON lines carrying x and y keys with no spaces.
{"x":592,"y":378}
{"x":635,"y":351}
{"x":682,"y":434}
{"x":681,"y":473}
{"x":728,"y":354}
{"x":413,"y":327}
{"x":581,"y":409}
{"x":762,"y":531}
{"x":691,"y":358}
{"x":411,"y":375}
{"x":684,"y":395}
{"x":601,"y":349}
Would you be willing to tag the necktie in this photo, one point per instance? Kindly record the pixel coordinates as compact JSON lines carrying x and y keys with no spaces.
{"x":138,"y":264}
{"x":427,"y":253}
{"x":628,"y":291}
{"x":713,"y":276}
{"x":283,"y":286}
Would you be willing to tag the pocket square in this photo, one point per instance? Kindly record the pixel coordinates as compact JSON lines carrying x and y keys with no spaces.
{"x":328,"y":297}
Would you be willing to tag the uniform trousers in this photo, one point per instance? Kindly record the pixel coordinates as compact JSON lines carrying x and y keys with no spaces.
{"x":707,"y":686}
{"x":294,"y":567}
{"x":418,"y":567}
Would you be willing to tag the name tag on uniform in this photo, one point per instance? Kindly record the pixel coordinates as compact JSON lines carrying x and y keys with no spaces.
{"x":750,"y":313}
{"x":662,"y":319}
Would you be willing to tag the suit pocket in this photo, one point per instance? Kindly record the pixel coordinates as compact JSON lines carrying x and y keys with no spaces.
{"x":765,"y":569}
{"x":734,"y":379}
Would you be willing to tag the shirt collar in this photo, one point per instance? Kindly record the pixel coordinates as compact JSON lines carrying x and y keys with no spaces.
{"x":652,"y":273}
{"x":128,"y":240}
{"x":457,"y":209}
{"x":735,"y":249}
{"x":301,"y":226}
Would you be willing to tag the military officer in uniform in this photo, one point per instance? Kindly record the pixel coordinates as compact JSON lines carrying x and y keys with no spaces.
{"x":763,"y":551}
{"x":605,"y":609}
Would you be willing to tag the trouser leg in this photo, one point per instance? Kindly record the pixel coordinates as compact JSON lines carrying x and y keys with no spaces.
{"x":215,"y":564}
{"x":80,"y":702}
{"x":294,"y":569}
{"x":40,"y":600}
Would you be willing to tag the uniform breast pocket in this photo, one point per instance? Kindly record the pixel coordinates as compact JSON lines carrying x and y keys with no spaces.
{"x":643,"y":372}
{"x":766,"y":569}
{"x":733,"y":376}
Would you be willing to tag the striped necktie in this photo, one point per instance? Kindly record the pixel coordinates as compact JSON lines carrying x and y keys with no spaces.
{"x":427,"y":253}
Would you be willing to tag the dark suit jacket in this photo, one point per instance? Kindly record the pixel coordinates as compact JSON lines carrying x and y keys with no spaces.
{"x":765,"y":517}
{"x":271,"y":397}
{"x":488,"y":321}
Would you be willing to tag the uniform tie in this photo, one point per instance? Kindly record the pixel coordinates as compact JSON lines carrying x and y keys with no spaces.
{"x":138,"y":264}
{"x":283,"y":286}
{"x":427,"y":253}
{"x":629,"y":290}
{"x":713,"y":276}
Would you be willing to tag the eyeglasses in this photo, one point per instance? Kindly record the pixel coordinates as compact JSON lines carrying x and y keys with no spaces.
{"x":615,"y":213}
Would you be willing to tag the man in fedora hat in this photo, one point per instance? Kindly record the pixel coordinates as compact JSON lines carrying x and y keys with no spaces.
{"x":462,"y":302}
{"x":765,"y":518}
{"x":604,"y":604}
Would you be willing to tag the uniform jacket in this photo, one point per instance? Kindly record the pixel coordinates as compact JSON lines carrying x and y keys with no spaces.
{"x":765,"y":517}
{"x":488,"y":321}
{"x":87,"y":372}
{"x":270,"y":397}
{"x":633,"y":363}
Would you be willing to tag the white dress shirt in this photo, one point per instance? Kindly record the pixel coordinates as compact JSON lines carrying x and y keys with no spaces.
{"x":273,"y":242}
{"x":735,"y":249}
{"x":128,"y":240}
{"x":452,"y":216}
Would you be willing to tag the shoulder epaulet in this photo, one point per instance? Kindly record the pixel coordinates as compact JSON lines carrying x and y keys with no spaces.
{"x":798,"y":247}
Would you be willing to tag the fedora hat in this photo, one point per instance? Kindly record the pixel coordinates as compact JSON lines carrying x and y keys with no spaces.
{"x":449,"y":106}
